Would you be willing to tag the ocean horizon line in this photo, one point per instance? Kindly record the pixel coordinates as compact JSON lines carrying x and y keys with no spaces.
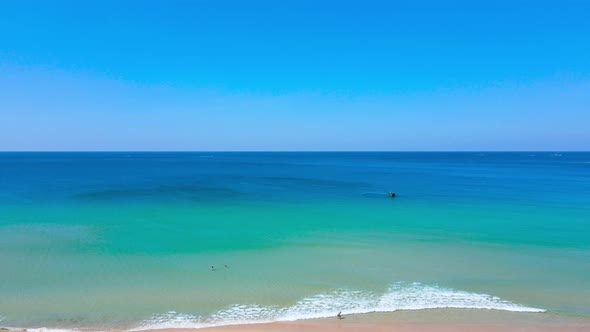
{"x":294,"y":151}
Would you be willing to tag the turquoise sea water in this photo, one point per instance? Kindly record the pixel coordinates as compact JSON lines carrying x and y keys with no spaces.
{"x":127,"y":240}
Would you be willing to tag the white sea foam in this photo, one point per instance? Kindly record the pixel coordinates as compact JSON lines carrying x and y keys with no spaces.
{"x":41,"y":329}
{"x":400,"y":296}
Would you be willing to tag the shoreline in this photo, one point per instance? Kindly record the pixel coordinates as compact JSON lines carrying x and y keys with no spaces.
{"x":429,"y":320}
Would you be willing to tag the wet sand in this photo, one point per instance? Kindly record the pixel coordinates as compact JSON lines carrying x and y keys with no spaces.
{"x":423,"y":320}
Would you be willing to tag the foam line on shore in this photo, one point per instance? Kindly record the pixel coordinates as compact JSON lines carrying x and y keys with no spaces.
{"x":400,"y":296}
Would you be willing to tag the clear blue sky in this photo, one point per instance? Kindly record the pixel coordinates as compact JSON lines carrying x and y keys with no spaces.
{"x":295,"y":75}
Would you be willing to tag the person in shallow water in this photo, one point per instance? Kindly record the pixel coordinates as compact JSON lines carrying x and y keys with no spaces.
{"x":339,"y":316}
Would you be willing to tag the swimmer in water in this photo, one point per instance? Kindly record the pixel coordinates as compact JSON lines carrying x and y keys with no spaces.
{"x":212,"y":268}
{"x":227,"y":267}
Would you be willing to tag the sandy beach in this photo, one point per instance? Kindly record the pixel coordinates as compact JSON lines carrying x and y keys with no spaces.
{"x":425,"y":320}
{"x":441,"y":320}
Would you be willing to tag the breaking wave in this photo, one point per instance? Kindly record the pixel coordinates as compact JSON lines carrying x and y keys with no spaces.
{"x":400,"y":296}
